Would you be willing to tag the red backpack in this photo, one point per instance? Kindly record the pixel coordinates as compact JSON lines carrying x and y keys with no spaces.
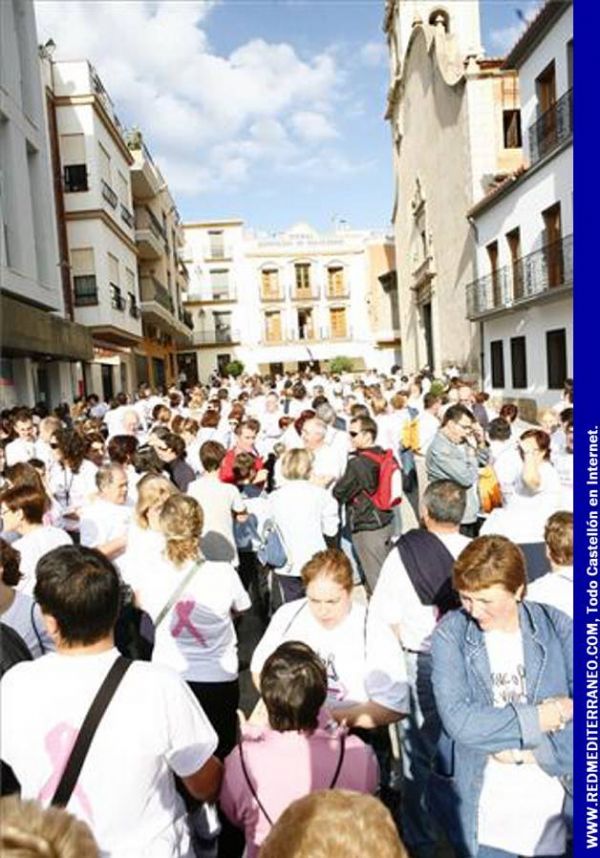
{"x":389,"y":488}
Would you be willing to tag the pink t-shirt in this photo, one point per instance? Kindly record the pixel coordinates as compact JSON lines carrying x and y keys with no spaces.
{"x":286,"y":766}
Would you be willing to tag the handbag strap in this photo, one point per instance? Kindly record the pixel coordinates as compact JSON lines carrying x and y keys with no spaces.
{"x":336,"y":775}
{"x":36,"y":630}
{"x":87,"y":731}
{"x":176,"y":594}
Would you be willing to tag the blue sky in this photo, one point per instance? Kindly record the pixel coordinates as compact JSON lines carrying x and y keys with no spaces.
{"x":267,"y":111}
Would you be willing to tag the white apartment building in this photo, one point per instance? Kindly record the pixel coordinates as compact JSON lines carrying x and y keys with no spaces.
{"x":163,"y":275}
{"x":98,"y":212}
{"x":40,"y":347}
{"x":288,"y":300}
{"x":454,"y":120}
{"x":523,"y":297}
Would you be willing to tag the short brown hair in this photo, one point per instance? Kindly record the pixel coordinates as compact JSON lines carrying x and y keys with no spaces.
{"x":558,"y":536}
{"x":490,"y":560}
{"x":331,"y":563}
{"x":211,"y":455}
{"x":244,"y":467}
{"x":31,"y":501}
{"x":542,"y":439}
{"x":10,"y":560}
{"x":293,"y":685}
{"x":331,"y":823}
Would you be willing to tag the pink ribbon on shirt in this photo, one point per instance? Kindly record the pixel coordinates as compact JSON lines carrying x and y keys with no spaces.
{"x":59,"y":744}
{"x":183,"y":611}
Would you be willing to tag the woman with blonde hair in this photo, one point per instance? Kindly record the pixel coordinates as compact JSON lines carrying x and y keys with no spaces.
{"x":29,"y":830}
{"x":192,"y":602}
{"x":145,"y":537}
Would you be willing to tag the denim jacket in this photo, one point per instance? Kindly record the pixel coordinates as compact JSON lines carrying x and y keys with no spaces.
{"x":473,"y":728}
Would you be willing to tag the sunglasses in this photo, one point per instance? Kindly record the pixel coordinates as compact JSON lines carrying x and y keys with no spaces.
{"x":54,"y":445}
{"x":353,"y":434}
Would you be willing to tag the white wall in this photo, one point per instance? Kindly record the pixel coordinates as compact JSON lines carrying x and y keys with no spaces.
{"x":531,"y":323}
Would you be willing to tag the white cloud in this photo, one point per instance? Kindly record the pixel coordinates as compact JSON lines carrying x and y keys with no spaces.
{"x":502,"y":39}
{"x":374,"y":54}
{"x":209,"y":120}
{"x":312,"y":127}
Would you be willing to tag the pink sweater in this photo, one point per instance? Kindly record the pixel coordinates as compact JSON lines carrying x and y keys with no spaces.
{"x":287,"y":766}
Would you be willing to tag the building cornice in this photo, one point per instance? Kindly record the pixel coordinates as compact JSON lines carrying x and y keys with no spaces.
{"x":105,"y":119}
{"x":99,"y":214}
{"x":207,"y":224}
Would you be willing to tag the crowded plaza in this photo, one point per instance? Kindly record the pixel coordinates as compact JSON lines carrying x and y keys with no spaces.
{"x":280,"y":615}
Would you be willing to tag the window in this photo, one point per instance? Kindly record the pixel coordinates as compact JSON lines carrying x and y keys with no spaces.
{"x":305,"y":325}
{"x":335,"y":281}
{"x":570,"y":64}
{"x":556,"y":358}
{"x":545,"y":87}
{"x":552,"y":243}
{"x":497,"y":362}
{"x":518,"y":359}
{"x":72,"y":155}
{"x":492,"y":252}
{"x":511,"y":125}
{"x":104,"y":163}
{"x":302,"y":277}
{"x":219,"y":284}
{"x":85,"y":290}
{"x":270,"y":283}
{"x":75,"y":178}
{"x":222,"y":325}
{"x":116,"y":299}
{"x":338,"y":322}
{"x":273,"y":327}
{"x":113,"y":269}
{"x":513,"y":239}
{"x":216,"y":244}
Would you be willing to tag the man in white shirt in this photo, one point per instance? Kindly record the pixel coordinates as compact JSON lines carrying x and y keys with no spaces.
{"x":504,"y":456}
{"x":22,"y":449}
{"x":328,"y":466}
{"x":428,"y":423}
{"x":105,"y":521}
{"x":413,"y":591}
{"x":220,"y":502}
{"x":152,"y":728}
{"x":556,"y":587}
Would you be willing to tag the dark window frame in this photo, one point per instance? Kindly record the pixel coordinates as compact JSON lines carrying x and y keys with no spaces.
{"x":497,"y":363}
{"x":75,"y":178}
{"x":518,"y":362}
{"x":556,"y":363}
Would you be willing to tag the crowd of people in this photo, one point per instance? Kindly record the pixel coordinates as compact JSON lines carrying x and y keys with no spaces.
{"x":230,"y":608}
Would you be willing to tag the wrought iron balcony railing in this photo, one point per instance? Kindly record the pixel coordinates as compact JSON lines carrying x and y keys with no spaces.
{"x":216,"y":337}
{"x":530,"y":276}
{"x":152,"y":290}
{"x":108,"y":194}
{"x":126,"y":216}
{"x":554,"y":127}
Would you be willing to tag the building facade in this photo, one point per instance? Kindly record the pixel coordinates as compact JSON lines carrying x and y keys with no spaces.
{"x":289,"y":300}
{"x":162,"y":273}
{"x":523,"y":296}
{"x":98,"y":213}
{"x":455,"y":124}
{"x":42,"y":348}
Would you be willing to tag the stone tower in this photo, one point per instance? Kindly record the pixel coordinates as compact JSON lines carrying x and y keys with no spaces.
{"x":460,"y":18}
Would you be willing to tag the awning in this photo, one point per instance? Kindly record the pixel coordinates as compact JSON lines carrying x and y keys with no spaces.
{"x":29,"y":331}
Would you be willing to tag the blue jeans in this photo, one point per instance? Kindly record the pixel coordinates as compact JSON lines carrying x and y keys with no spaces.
{"x":419,"y":733}
{"x":492,"y":852}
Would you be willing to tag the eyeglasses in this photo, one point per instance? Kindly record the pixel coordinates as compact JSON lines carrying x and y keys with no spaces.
{"x":54,"y":445}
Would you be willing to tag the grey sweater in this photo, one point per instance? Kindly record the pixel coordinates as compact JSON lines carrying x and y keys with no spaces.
{"x":460,"y":463}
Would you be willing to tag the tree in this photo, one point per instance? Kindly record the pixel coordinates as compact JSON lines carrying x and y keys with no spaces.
{"x":341,"y":363}
{"x":234,"y":368}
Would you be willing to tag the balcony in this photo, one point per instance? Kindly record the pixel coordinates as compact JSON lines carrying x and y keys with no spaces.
{"x":126,"y":216}
{"x":305,"y":294}
{"x":336,"y":292}
{"x":218,"y":296}
{"x":117,"y":302}
{"x":539,"y":274}
{"x":553,"y":128}
{"x":146,"y":179}
{"x":134,"y":310}
{"x":154,"y":292}
{"x":186,"y":317}
{"x":108,"y":194}
{"x":215,"y":338}
{"x":149,"y":234}
{"x":270,"y":295}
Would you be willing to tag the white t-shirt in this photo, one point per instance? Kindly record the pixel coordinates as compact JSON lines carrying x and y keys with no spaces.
{"x":34,"y":545}
{"x":358,"y":669}
{"x":196,"y":637}
{"x":428,"y":426}
{"x":554,"y":588}
{"x":218,"y":501}
{"x":152,"y":727}
{"x":520,"y":807}
{"x":19,"y":451}
{"x":141,"y":544}
{"x":303,"y":534}
{"x":102,"y":521}
{"x":21,"y":616}
{"x":507,"y":464}
{"x":396,"y":601}
{"x":563,"y":463}
{"x":72,"y":491}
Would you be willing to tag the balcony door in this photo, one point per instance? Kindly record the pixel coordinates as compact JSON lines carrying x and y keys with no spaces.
{"x":273,"y":327}
{"x":335,"y":282}
{"x":545,"y":85}
{"x":306,"y":330}
{"x":302,"y":280}
{"x":552,"y":241}
{"x":513,"y":239}
{"x":270,"y":284}
{"x":492,"y":252}
{"x":339,"y":323}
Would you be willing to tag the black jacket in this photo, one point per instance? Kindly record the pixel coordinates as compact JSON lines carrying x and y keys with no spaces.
{"x":361,"y":476}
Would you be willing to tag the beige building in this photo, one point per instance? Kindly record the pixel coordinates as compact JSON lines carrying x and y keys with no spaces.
{"x":41,"y":346}
{"x":98,"y":214}
{"x":287,"y":300}
{"x":163,"y":275}
{"x":455,"y":125}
